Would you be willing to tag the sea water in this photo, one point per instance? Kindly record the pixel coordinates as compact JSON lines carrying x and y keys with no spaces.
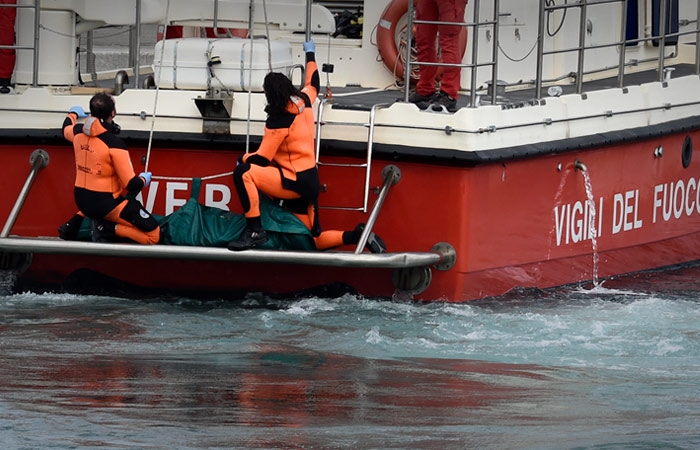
{"x":615,"y":366}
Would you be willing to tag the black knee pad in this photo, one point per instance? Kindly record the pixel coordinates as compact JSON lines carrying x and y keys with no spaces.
{"x":135,"y":214}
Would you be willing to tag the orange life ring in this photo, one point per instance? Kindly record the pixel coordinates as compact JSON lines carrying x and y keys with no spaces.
{"x":386,"y":38}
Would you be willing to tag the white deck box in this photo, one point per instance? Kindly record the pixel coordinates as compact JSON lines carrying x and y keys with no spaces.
{"x":185,"y":63}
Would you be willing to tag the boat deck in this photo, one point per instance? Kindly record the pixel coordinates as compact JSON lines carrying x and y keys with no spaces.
{"x":363,"y":99}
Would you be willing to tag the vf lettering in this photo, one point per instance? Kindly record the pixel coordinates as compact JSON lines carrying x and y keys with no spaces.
{"x":576,"y":222}
{"x":177,"y":194}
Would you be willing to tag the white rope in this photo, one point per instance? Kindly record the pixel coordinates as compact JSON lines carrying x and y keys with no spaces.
{"x":155,"y":101}
{"x":251,"y":38}
{"x":267,"y":36}
{"x":210,"y":177}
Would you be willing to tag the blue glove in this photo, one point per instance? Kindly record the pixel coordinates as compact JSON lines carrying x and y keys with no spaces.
{"x":147,"y":177}
{"x":79,"y":111}
{"x":309,"y":46}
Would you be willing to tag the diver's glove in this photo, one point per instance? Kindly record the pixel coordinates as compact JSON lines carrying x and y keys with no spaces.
{"x":146,"y":177}
{"x":309,"y":46}
{"x":79,"y":111}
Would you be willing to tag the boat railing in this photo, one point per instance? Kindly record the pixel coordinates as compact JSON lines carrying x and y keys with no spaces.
{"x":621,"y":44}
{"x":391,"y":175}
{"x":38,"y":160}
{"x":663,"y":37}
{"x":35,"y":47}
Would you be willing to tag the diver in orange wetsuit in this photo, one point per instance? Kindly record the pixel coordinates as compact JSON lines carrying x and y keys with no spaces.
{"x":104,"y":174}
{"x":284,"y":166}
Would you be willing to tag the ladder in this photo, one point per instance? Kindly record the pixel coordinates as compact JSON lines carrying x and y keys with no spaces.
{"x":366,"y":165}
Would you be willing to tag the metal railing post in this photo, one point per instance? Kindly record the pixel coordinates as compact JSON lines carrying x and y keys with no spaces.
{"x":494,"y":52}
{"x":662,"y":37}
{"x":697,"y":40}
{"x":37,"y":29}
{"x":540,"y":50}
{"x":581,"y":46}
{"x":38,"y":159}
{"x":475,"y":55}
{"x":391,"y":175}
{"x":307,"y":33}
{"x":137,"y":56}
{"x":623,"y":45}
{"x":407,"y":66}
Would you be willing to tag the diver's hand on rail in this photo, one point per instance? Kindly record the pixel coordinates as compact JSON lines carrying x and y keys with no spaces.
{"x":310,"y":46}
{"x":79,"y":111}
{"x":146,"y":178}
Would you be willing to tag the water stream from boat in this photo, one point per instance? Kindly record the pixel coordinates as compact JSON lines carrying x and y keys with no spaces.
{"x":592,"y":230}
{"x":589,"y":213}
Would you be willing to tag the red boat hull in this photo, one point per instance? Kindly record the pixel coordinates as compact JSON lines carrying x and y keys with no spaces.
{"x":518,"y":223}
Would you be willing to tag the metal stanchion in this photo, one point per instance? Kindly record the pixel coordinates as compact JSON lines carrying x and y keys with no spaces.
{"x":39,"y":159}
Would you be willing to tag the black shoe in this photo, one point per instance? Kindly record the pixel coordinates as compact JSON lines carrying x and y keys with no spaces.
{"x":443,"y":102}
{"x":248,"y":239}
{"x":374,"y":243}
{"x":5,"y":85}
{"x":422,"y":101}
{"x":67,"y":232}
{"x":102,"y":230}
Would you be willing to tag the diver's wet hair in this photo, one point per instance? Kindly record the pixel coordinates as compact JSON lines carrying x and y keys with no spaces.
{"x":101,"y":106}
{"x":278,"y":89}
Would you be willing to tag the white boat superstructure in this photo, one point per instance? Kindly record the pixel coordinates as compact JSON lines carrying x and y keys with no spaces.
{"x":581,"y":42}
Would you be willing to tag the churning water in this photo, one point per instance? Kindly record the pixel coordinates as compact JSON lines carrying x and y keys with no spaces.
{"x":613,"y":367}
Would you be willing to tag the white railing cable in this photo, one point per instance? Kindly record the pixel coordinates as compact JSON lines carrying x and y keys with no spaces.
{"x":155,"y":101}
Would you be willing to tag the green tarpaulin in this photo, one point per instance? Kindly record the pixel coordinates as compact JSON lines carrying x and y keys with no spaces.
{"x":195,"y":224}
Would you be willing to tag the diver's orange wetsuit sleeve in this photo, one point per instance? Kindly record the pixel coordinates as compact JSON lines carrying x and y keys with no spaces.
{"x":312,"y":82}
{"x":68,"y":126}
{"x":122,"y":165}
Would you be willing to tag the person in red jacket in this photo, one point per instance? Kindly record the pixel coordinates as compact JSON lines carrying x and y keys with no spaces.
{"x":7,"y":37}
{"x":284,"y":166}
{"x":105,"y":182}
{"x":448,"y":35}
